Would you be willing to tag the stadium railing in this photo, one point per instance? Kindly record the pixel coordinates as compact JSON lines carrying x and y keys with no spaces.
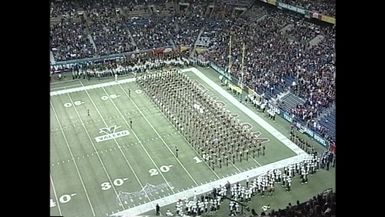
{"x":302,"y":11}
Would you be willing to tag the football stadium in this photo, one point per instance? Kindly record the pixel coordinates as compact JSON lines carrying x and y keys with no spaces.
{"x":192,"y":108}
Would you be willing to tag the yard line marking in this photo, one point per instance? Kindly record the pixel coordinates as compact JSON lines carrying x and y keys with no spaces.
{"x":93,"y":146}
{"x":59,"y":88}
{"x":177,"y":132}
{"x":117,"y":143}
{"x":89,"y":87}
{"x":59,"y":82}
{"x":72,"y":156}
{"x":264,"y":124}
{"x":188,"y":173}
{"x":54,"y":192}
{"x":145,"y":150}
{"x":257,"y":162}
{"x":188,"y":193}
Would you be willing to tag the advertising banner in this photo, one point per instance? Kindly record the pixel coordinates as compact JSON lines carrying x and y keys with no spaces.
{"x":272,"y":2}
{"x":328,"y":19}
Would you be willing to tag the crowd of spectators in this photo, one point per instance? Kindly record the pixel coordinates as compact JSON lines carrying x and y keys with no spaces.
{"x":62,"y":8}
{"x":265,"y":184}
{"x":152,"y":32}
{"x":275,"y":60}
{"x":187,"y":30}
{"x":109,"y":32}
{"x":69,"y":40}
{"x":303,"y":31}
{"x":321,"y":205}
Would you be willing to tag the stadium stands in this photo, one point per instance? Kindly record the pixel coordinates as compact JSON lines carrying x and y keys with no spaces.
{"x":283,"y":52}
{"x":322,"y":205}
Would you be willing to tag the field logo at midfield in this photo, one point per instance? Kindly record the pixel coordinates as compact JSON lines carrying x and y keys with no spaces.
{"x":110,"y":133}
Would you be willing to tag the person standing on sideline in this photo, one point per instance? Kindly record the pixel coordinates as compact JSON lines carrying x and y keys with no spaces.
{"x":116,"y":77}
{"x":176,"y":151}
{"x":129,"y":93}
{"x":130,"y":123}
{"x":157,"y":209}
{"x":263,"y":150}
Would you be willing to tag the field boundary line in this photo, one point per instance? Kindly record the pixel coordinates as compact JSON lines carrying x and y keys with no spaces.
{"x":73,"y":159}
{"x":141,"y":144}
{"x":117,"y":143}
{"x":197,"y":154}
{"x":54,"y":192}
{"x":278,"y":135}
{"x":97,"y":153}
{"x":160,"y":137}
{"x":89,"y":87}
{"x":64,"y":87}
{"x":138,"y":210}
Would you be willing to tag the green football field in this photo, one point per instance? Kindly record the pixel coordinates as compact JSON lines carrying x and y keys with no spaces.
{"x":100,"y":164}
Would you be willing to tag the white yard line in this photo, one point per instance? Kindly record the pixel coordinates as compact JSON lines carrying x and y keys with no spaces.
{"x":89,"y":87}
{"x":73,"y":159}
{"x":248,"y":112}
{"x":180,"y":163}
{"x":138,"y":210}
{"x":257,"y":162}
{"x":236,"y":167}
{"x":206,"y":187}
{"x":178,"y":132}
{"x":97,"y":153}
{"x":145,"y":150}
{"x":117,"y":143}
{"x":54,"y":192}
